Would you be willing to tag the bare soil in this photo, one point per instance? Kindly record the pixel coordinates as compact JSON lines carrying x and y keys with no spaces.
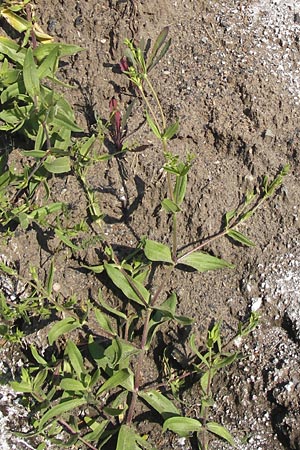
{"x":232,"y":78}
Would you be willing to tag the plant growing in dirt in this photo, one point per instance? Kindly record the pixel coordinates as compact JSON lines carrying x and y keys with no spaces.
{"x":33,"y":109}
{"x":89,"y":390}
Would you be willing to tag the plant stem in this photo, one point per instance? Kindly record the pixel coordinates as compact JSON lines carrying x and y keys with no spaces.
{"x":30,"y":19}
{"x":204,"y":442}
{"x":73,"y":432}
{"x":203,"y":244}
{"x":174,"y":237}
{"x":149,"y":107}
{"x":163,"y":119}
{"x":164,"y":282}
{"x":139,"y":365}
{"x":138,"y":371}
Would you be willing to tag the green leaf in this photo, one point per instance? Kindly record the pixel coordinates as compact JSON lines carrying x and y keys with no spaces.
{"x":96,"y":427}
{"x":68,"y":384}
{"x":220,"y":431}
{"x":127,"y":284}
{"x":104,"y":322}
{"x":168,"y":306}
{"x":7,"y":269}
{"x":226,"y":360}
{"x":58,"y":165}
{"x":125,"y":351}
{"x":64,"y":406}
{"x":75,"y":357}
{"x":229,"y":216}
{"x":42,"y":51}
{"x":40,"y":379}
{"x":152,"y":125}
{"x":63,"y":121}
{"x":167,"y":310}
{"x":126,"y":439}
{"x":43,"y":211}
{"x":157,"y":45}
{"x":37,"y":357}
{"x":30,"y":75}
{"x":113,"y":411}
{"x":239,"y":237}
{"x":61,"y":234}
{"x":95,"y":269}
{"x":202,"y":358}
{"x":11,"y":49}
{"x":206,"y":379}
{"x":34,"y":153}
{"x":49,"y":65}
{"x":63,"y":326}
{"x":160,"y":403}
{"x":155,"y":251}
{"x":116,"y":379}
{"x":169,"y":206}
{"x":154,"y":58}
{"x":171,"y":131}
{"x":50,"y":278}
{"x":183,"y":426}
{"x":203,"y":262}
{"x":21,"y":387}
{"x":180,"y":188}
{"x":110,"y":309}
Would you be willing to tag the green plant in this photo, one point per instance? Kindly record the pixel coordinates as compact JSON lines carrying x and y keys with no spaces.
{"x":88,"y":391}
{"x":32,"y":108}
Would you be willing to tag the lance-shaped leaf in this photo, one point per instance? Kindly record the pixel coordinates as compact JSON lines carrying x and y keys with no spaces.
{"x":169,"y":206}
{"x":37,"y":357}
{"x":170,"y":131}
{"x":166,"y":311}
{"x":229,"y":216}
{"x":49,"y":65}
{"x":110,"y":309}
{"x":95,"y":269}
{"x":153,"y":126}
{"x":116,"y":379}
{"x":131,"y":288}
{"x":104,"y":322}
{"x":63,"y":326}
{"x":220,"y":431}
{"x":203,"y":262}
{"x":58,"y":165}
{"x":155,"y":251}
{"x":65,"y":405}
{"x":30,"y":75}
{"x":183,"y":426}
{"x":127,"y":439}
{"x":96,"y":427}
{"x":160,"y":403}
{"x":68,"y":384}
{"x":63,"y":120}
{"x":75,"y":358}
{"x":180,"y":188}
{"x":64,"y":50}
{"x":161,"y":47}
{"x":12,"y":50}
{"x":241,"y":238}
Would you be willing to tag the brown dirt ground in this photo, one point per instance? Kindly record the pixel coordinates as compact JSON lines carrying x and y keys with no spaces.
{"x":232,"y":78}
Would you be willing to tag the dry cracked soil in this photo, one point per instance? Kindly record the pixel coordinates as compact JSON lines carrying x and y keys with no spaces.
{"x":232,"y":78}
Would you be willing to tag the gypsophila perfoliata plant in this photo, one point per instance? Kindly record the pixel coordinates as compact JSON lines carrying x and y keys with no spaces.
{"x":85,"y":390}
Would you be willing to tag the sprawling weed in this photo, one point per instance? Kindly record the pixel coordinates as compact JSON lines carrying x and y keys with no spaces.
{"x":87,"y":387}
